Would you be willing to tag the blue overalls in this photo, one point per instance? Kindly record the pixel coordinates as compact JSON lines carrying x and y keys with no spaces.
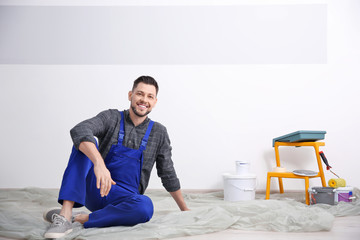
{"x":124,"y":205}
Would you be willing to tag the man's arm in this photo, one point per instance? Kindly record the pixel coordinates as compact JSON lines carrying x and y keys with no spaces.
{"x":97,"y":126}
{"x":166,"y":170}
{"x":178,"y":197}
{"x":103,"y":176}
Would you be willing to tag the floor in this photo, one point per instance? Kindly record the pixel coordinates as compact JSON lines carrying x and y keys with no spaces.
{"x":344,"y":228}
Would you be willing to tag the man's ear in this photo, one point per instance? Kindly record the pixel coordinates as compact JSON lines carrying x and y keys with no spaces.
{"x":129,"y":95}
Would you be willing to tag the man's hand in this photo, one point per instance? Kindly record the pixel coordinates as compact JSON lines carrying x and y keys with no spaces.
{"x":179,"y":199}
{"x":103,"y":176}
{"x":103,"y":179}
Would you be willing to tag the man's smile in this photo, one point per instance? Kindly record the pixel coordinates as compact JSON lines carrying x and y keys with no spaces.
{"x":142,"y":106}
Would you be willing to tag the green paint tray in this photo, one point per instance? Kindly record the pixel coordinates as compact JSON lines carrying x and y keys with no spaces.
{"x":301,"y":136}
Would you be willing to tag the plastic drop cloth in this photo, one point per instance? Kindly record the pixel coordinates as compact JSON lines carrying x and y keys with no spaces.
{"x":21,"y":215}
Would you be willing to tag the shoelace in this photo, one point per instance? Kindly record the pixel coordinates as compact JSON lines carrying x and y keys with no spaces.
{"x":57,"y":220}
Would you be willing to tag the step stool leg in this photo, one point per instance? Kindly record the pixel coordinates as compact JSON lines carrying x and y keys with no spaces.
{"x":307,"y":197}
{"x":281,"y":187}
{"x":267,"y":196}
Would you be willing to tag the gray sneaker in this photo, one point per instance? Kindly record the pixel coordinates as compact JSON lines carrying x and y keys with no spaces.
{"x":59,"y":227}
{"x":48,"y":214}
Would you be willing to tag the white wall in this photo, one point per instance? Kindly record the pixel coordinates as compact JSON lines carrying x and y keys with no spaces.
{"x":215,"y":114}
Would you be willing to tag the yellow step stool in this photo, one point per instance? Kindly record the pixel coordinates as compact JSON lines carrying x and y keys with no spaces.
{"x":281,"y":175}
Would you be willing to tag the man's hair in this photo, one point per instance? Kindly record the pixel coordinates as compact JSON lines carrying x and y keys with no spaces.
{"x":147,"y":80}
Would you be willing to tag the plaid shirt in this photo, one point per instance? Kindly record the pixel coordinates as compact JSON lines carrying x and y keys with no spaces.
{"x":106,"y":126}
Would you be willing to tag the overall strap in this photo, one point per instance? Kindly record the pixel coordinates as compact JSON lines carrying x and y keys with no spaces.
{"x":122,"y":129}
{"x":146,"y":137}
{"x":122,"y":132}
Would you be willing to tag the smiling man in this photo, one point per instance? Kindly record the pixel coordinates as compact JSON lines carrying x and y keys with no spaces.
{"x":110,"y":178}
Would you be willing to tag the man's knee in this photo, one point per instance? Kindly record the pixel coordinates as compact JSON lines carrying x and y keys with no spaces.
{"x":144,"y":208}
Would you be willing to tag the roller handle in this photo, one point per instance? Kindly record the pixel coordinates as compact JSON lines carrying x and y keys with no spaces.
{"x":322,"y":155}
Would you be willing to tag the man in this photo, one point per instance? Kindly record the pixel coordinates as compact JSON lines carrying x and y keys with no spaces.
{"x":110,"y":179}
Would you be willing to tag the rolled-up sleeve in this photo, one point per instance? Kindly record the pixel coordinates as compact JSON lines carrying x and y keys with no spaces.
{"x":86,"y":130}
{"x":165,"y":165}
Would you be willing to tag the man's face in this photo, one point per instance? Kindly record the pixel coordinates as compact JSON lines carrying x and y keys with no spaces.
{"x":142,"y":99}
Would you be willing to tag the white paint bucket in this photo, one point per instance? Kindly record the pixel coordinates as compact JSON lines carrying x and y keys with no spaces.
{"x":242,"y":167}
{"x":239,"y":187}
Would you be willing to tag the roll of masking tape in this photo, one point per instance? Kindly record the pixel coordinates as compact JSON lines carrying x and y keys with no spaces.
{"x":337,"y":182}
{"x":279,"y":169}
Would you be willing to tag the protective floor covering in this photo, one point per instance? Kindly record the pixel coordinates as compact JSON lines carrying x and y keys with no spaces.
{"x":21,"y":215}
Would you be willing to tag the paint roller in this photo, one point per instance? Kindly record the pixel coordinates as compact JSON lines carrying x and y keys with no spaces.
{"x":333,"y":182}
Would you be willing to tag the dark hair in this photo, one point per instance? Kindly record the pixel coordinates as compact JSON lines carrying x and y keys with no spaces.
{"x":147,"y":80}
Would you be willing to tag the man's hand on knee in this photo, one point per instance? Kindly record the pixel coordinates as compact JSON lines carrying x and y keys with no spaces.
{"x":103,"y":179}
{"x":103,"y":176}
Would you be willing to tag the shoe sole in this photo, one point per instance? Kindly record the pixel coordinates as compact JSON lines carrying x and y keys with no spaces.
{"x":47,"y":211}
{"x":57,"y":235}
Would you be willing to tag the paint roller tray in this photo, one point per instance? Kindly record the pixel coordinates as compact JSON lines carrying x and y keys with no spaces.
{"x":301,"y":136}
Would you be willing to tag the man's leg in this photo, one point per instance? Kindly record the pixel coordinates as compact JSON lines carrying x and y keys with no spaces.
{"x":73,"y":186}
{"x":130,"y":211}
{"x":66,"y":209}
{"x":72,"y":194}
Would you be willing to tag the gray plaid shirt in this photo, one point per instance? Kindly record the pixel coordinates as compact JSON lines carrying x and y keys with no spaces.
{"x":106,"y":126}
